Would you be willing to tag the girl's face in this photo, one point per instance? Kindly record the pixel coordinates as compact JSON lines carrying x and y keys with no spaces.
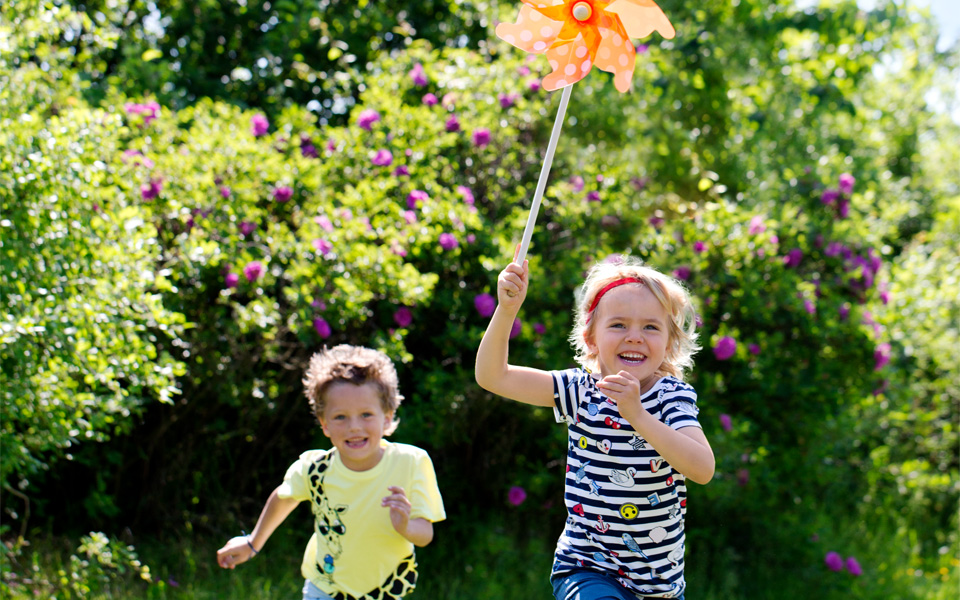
{"x":630,"y":333}
{"x":354,"y":420}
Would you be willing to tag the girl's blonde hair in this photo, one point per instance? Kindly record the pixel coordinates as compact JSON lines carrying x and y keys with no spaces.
{"x":682,"y":327}
{"x":355,"y":365}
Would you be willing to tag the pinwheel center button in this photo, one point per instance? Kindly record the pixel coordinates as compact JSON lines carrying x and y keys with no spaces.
{"x":582,"y":11}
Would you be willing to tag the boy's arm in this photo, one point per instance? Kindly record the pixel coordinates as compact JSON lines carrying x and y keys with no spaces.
{"x":418,"y":531}
{"x":493,"y":372}
{"x":238,"y":550}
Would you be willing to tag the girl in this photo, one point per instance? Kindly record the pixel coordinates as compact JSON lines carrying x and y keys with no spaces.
{"x":634,"y":438}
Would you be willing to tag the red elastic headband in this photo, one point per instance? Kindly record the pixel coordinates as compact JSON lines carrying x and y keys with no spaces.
{"x":607,"y":288}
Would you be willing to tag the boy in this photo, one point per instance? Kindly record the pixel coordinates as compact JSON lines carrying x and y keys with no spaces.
{"x":363,"y":541}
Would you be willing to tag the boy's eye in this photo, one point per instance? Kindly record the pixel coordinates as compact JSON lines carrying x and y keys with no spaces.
{"x":339,"y":417}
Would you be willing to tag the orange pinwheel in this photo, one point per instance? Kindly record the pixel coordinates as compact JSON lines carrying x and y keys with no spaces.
{"x":578,"y":34}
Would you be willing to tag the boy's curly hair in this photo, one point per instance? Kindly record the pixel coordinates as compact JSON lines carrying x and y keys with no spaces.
{"x":356,"y":365}
{"x":682,"y":328}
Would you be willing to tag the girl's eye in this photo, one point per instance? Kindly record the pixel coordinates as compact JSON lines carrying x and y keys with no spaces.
{"x":339,"y":417}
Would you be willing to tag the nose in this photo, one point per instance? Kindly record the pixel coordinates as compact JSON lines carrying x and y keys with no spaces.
{"x":635,"y":334}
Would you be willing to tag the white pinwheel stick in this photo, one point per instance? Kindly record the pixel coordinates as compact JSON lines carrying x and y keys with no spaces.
{"x":544,"y":173}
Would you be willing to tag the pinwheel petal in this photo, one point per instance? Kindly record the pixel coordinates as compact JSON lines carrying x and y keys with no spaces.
{"x":642,"y":17}
{"x":532,"y":32}
{"x":617,"y":55}
{"x":570,"y":62}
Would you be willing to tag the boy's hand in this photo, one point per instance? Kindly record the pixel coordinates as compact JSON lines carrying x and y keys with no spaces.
{"x":400,"y":508}
{"x":512,"y":283}
{"x":624,"y":389}
{"x":236,"y":551}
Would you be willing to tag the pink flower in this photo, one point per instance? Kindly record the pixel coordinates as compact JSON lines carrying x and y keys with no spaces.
{"x":754,"y":349}
{"x":430,"y":99}
{"x":881,"y":356}
{"x":452,"y":125}
{"x":682,"y":273}
{"x":467,"y":194}
{"x":523,"y":70}
{"x":757,"y":225}
{"x":137,"y":158}
{"x":246,"y":228}
{"x":322,"y":246}
{"x":318,"y":304}
{"x":539,"y":328}
{"x":224,"y":192}
{"x":410,"y":217}
{"x":403,"y":317}
{"x":725,"y":422}
{"x":307,"y":148}
{"x":656,"y":221}
{"x":418,"y":75}
{"x":282,"y":193}
{"x":259,"y":125}
{"x":324,"y":223}
{"x":833,"y":561}
{"x":854,"y":567}
{"x":593,"y":196}
{"x":151,"y":190}
{"x":843,"y":208}
{"x":253,"y":270}
{"x":829,"y":196}
{"x":322,"y":327}
{"x":471,"y":238}
{"x":401,"y":171}
{"x":642,"y":48}
{"x":382,"y":158}
{"x":481,"y":137}
{"x":577,"y":182}
{"x":699,"y":247}
{"x":846,"y":183}
{"x":793,"y":258}
{"x":515,"y":328}
{"x":415,"y":197}
{"x":485,"y":304}
{"x":507,"y":100}
{"x":516,"y":495}
{"x":809,"y":306}
{"x":231,"y":280}
{"x":448,"y":241}
{"x":367,"y":118}
{"x":725,"y":348}
{"x":535,"y":85}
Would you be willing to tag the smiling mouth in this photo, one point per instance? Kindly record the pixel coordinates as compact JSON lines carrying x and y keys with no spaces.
{"x":356,"y":443}
{"x":634,"y":358}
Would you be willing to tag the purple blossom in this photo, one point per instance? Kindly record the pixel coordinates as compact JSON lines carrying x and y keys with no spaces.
{"x":524,"y":70}
{"x":231,"y":280}
{"x":149,"y":111}
{"x":481,"y":137}
{"x":410,"y":217}
{"x":415,"y":197}
{"x":881,"y":356}
{"x":467,"y":194}
{"x":854,"y":567}
{"x":642,"y":48}
{"x":844,"y":311}
{"x":593,"y":196}
{"x":403,"y":317}
{"x":834,"y":249}
{"x":577,"y":182}
{"x":725,"y":348}
{"x":754,"y":349}
{"x":508,"y":100}
{"x":485,"y":304}
{"x":324,"y":223}
{"x":151,"y":190}
{"x":448,"y":241}
{"x":367,"y":118}
{"x":682,"y":273}
{"x":322,"y":246}
{"x":471,"y":238}
{"x":225,"y":192}
{"x":843,"y":208}
{"x":452,"y":125}
{"x":699,"y":247}
{"x":725,"y":422}
{"x":430,"y":99}
{"x":418,"y":75}
{"x":833,"y":561}
{"x":137,"y":158}
{"x":283,"y":193}
{"x":516,"y":495}
{"x":253,"y":270}
{"x":246,"y":228}
{"x":401,"y":171}
{"x":535,"y":85}
{"x":829,"y":196}
{"x":322,"y":327}
{"x":846,"y":183}
{"x":539,"y":328}
{"x":809,"y":306}
{"x":318,"y":304}
{"x":657,"y":222}
{"x":793,"y":258}
{"x":259,"y":125}
{"x":307,"y":148}
{"x":515,"y":328}
{"x":382,"y":158}
{"x":757,"y":225}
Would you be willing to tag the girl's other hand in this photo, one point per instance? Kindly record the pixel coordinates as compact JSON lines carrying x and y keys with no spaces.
{"x":512,"y":283}
{"x":235,"y":552}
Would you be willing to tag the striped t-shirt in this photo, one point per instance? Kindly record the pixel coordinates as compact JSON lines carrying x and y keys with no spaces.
{"x":625,"y":504}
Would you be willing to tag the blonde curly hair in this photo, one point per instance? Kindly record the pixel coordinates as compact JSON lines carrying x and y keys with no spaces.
{"x":355,"y":365}
{"x":672,"y":295}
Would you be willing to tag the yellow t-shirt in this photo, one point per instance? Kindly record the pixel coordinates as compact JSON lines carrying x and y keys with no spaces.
{"x":354,"y":550}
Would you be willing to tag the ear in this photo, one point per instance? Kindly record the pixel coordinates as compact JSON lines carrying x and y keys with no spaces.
{"x":323,"y":426}
{"x":588,"y":340}
{"x":388,"y":420}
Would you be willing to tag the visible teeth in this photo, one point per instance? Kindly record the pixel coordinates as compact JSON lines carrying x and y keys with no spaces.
{"x":633,"y":356}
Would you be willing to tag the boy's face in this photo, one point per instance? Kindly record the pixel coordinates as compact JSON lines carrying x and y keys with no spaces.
{"x":630,"y":333}
{"x":354,"y":420}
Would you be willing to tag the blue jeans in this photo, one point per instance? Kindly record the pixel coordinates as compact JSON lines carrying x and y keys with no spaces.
{"x":590,"y":585}
{"x":312,"y":592}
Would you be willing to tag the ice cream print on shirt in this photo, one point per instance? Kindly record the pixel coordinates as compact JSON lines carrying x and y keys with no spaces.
{"x":625,"y":503}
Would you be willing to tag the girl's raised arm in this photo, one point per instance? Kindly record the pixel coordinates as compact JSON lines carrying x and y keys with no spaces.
{"x":493,"y":372}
